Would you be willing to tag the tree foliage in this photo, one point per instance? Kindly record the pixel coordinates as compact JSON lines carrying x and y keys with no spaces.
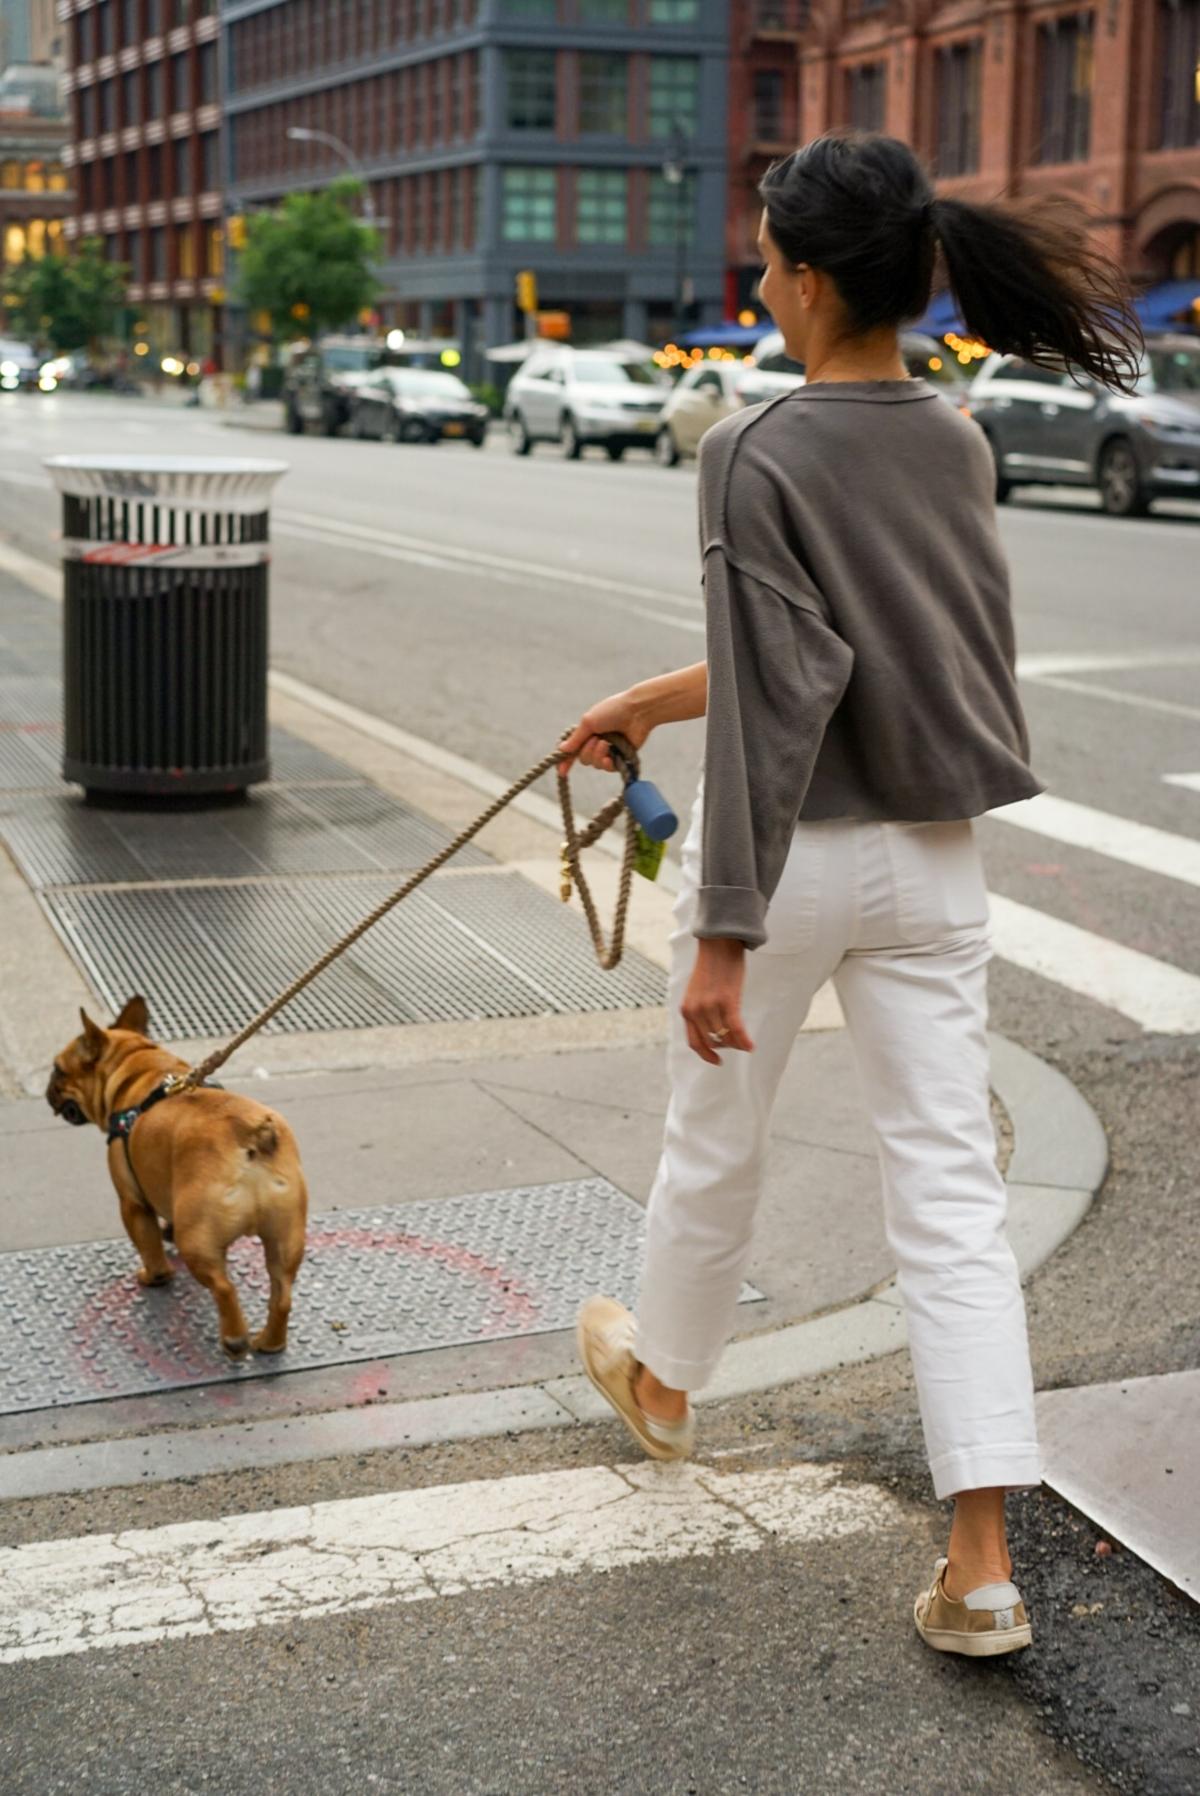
{"x":66,"y":301}
{"x":308,"y":262}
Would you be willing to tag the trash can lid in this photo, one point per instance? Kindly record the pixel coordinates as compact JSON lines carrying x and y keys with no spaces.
{"x":183,"y":482}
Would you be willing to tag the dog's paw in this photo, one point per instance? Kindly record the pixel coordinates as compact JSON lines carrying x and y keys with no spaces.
{"x":155,"y":1278}
{"x":262,"y":1343}
{"x":237,"y":1346}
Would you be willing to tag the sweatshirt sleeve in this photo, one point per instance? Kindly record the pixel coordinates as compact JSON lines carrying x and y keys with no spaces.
{"x":776,"y":672}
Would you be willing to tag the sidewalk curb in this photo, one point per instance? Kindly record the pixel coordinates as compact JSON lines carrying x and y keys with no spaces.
{"x":1062,"y":1167}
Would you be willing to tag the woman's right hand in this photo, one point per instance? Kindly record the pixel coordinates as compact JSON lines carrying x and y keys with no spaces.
{"x":620,"y":715}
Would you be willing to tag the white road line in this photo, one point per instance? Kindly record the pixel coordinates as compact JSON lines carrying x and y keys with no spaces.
{"x":1038,"y":667}
{"x":1137,"y":700}
{"x":1190,"y":781}
{"x":1137,"y":844}
{"x":539,"y":570}
{"x":1160,"y":997}
{"x":285,"y":1565}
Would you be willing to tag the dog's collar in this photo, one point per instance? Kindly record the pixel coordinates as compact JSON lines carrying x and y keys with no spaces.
{"x":120,"y":1123}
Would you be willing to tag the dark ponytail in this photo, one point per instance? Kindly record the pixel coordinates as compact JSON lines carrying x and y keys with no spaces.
{"x":861,"y":208}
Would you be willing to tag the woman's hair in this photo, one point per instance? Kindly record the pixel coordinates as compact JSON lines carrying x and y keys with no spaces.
{"x":862,"y":209}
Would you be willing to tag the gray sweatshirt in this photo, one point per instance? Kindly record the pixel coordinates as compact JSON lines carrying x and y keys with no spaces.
{"x":859,"y":630}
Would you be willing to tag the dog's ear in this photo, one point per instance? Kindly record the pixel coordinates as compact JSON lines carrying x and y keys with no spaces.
{"x":91,"y":1041}
{"x":135,"y":1016}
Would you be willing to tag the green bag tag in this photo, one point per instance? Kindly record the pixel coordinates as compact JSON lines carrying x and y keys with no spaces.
{"x":648,"y":857}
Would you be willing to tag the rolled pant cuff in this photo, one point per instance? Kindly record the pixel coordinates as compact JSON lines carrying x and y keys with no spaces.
{"x":676,"y":1374}
{"x":1015,"y":1465}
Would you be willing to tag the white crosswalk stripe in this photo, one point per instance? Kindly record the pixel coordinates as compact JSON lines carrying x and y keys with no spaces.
{"x":285,"y":1565}
{"x":1160,"y":997}
{"x":1078,"y":826}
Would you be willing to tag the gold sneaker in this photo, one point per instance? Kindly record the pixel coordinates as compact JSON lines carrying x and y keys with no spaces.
{"x":986,"y":1621}
{"x":605,"y":1332}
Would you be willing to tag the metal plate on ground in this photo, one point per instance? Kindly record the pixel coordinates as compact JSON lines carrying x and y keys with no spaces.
{"x":403,"y":1279}
{"x":461,"y":948}
{"x":296,"y":762}
{"x":58,"y":839}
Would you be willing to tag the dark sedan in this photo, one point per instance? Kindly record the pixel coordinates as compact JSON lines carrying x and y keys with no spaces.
{"x":417,"y":405}
{"x":1051,"y":427}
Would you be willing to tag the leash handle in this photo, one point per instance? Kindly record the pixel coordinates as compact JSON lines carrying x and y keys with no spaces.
{"x":646,"y":803}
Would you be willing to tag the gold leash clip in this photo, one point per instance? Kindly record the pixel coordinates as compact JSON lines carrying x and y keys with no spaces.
{"x":564,"y":874}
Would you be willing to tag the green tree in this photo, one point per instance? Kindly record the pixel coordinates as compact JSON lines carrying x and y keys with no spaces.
{"x":308,"y":262}
{"x":66,"y":302}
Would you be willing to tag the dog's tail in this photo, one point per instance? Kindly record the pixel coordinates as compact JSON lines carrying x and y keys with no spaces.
{"x":261,"y":1139}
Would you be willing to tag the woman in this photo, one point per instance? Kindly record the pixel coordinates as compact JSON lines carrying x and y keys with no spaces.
{"x":862,"y":708}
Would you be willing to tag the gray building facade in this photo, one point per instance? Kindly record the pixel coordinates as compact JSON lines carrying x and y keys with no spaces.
{"x":497,"y":136}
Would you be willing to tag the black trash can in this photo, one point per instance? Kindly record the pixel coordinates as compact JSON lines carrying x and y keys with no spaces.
{"x":165,"y":622}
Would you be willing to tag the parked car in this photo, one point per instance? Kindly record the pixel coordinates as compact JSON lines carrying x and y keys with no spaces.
{"x":1061,"y":428}
{"x":581,"y":396}
{"x":772,"y":372}
{"x":321,"y":381}
{"x":417,"y":405}
{"x":706,"y":393}
{"x":20,"y":365}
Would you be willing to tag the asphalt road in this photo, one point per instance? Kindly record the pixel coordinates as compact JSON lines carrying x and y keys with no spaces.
{"x":482,"y":602}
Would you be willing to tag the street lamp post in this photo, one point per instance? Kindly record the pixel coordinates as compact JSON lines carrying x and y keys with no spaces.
{"x":674,"y":173}
{"x":306,"y":134}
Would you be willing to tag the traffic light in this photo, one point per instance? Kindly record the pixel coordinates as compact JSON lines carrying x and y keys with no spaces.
{"x":527,"y":290}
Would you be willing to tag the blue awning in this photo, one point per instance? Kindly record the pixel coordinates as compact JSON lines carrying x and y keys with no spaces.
{"x":941,"y":317}
{"x":1168,"y":305}
{"x":726,"y":336}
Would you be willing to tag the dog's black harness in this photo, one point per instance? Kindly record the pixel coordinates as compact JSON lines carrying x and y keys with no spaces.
{"x":120,"y":1123}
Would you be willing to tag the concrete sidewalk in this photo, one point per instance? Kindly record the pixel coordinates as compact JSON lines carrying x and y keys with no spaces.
{"x":472,"y":1174}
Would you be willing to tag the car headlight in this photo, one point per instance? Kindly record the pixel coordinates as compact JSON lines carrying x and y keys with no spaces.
{"x":10,"y":370}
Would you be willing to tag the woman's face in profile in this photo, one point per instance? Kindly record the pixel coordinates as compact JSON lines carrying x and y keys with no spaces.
{"x":782,"y":291}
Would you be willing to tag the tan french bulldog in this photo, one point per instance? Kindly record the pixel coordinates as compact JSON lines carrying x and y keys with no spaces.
{"x":213,"y":1166}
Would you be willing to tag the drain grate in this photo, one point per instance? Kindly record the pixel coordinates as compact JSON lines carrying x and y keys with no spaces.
{"x":403,"y":1279}
{"x":59,"y":840}
{"x":295,"y":762}
{"x":30,"y":756}
{"x":461,"y":948}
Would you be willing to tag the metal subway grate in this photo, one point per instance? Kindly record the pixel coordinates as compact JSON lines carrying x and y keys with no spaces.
{"x":30,"y":757}
{"x":295,"y":762}
{"x":461,"y":948}
{"x":59,"y":840}
{"x":402,"y":1279}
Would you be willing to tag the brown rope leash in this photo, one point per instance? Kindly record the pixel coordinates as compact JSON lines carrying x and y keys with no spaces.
{"x":574,"y":842}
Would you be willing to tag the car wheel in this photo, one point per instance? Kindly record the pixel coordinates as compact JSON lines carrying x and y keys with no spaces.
{"x":414,"y":430}
{"x":477,"y":442}
{"x":1122,"y":493}
{"x":572,"y":442}
{"x":294,"y":421}
{"x":329,"y":419}
{"x":615,"y":451}
{"x":519,"y":439}
{"x":666,"y":449}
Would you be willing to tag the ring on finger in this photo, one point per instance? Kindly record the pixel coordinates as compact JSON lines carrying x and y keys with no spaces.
{"x":718,"y":1034}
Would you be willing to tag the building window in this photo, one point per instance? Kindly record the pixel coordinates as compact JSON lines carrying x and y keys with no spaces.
{"x":87,"y":112}
{"x":214,"y":250}
{"x":1064,"y":50}
{"x":154,"y":90}
{"x":208,"y":73}
{"x":108,"y":105}
{"x":670,"y":211}
{"x":210,"y":162}
{"x":182,"y":169}
{"x":154,"y":171}
{"x":181,"y":83}
{"x":1179,"y":35}
{"x":185,"y":253}
{"x":529,"y":9}
{"x":959,"y":78}
{"x":601,"y":205}
{"x":436,"y":122}
{"x":529,"y":210}
{"x":603,"y":12}
{"x":105,"y":42}
{"x":11,"y":176}
{"x":56,"y":178}
{"x":133,"y":255}
{"x":769,"y":125}
{"x":130,"y":28}
{"x":674,"y":95}
{"x":154,"y":18}
{"x":866,"y":95}
{"x":131,"y":97}
{"x":604,"y":96}
{"x":129,"y":177}
{"x":674,"y":12}
{"x":529,"y":90}
{"x":158,"y":254}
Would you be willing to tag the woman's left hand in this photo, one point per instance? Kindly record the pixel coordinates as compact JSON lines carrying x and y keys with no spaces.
{"x":712,"y":1004}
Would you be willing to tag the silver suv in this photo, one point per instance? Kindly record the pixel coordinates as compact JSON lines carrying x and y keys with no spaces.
{"x":581,"y":396}
{"x":1051,"y":427}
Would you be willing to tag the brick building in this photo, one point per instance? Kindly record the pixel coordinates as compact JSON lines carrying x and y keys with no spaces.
{"x":495,"y":136}
{"x":1001,"y":97}
{"x":144,"y":90}
{"x":35,"y":188}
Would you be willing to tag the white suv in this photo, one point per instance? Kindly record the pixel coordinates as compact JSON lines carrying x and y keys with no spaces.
{"x":581,"y":396}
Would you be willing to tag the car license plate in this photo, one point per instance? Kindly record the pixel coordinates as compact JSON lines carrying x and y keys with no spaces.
{"x":647,"y":423}
{"x":454,"y":430}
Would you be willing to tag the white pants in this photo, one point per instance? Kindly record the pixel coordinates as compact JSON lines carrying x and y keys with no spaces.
{"x":896,"y":914}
